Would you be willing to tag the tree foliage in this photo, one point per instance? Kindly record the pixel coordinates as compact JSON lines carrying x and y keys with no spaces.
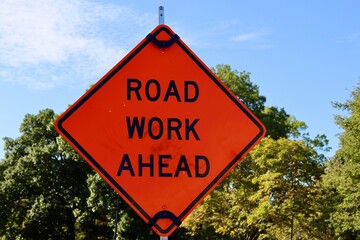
{"x":43,"y":188}
{"x":271,"y":193}
{"x":342,"y":179}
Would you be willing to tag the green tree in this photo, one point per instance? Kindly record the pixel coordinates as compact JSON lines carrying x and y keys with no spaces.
{"x":342,"y":178}
{"x":242,"y":87}
{"x":271,"y":194}
{"x":43,"y":188}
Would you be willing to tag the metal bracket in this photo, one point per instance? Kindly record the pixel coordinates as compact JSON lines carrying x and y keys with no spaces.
{"x":161,"y":43}
{"x":162,"y":215}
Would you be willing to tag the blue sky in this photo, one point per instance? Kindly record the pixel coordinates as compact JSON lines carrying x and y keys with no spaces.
{"x":302,"y":54}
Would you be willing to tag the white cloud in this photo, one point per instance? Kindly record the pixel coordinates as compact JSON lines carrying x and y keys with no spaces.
{"x":248,"y":37}
{"x":44,"y":43}
{"x":255,"y":39}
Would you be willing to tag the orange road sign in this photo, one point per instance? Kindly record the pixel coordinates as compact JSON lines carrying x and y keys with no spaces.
{"x":161,"y":129}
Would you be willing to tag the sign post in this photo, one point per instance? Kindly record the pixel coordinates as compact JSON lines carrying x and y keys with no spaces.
{"x":161,"y":129}
{"x":161,"y":15}
{"x":162,"y":21}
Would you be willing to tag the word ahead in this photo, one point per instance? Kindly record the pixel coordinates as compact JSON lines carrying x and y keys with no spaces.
{"x":201,"y":166}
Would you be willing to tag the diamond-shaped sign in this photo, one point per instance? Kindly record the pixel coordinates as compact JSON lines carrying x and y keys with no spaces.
{"x":161,"y":129}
